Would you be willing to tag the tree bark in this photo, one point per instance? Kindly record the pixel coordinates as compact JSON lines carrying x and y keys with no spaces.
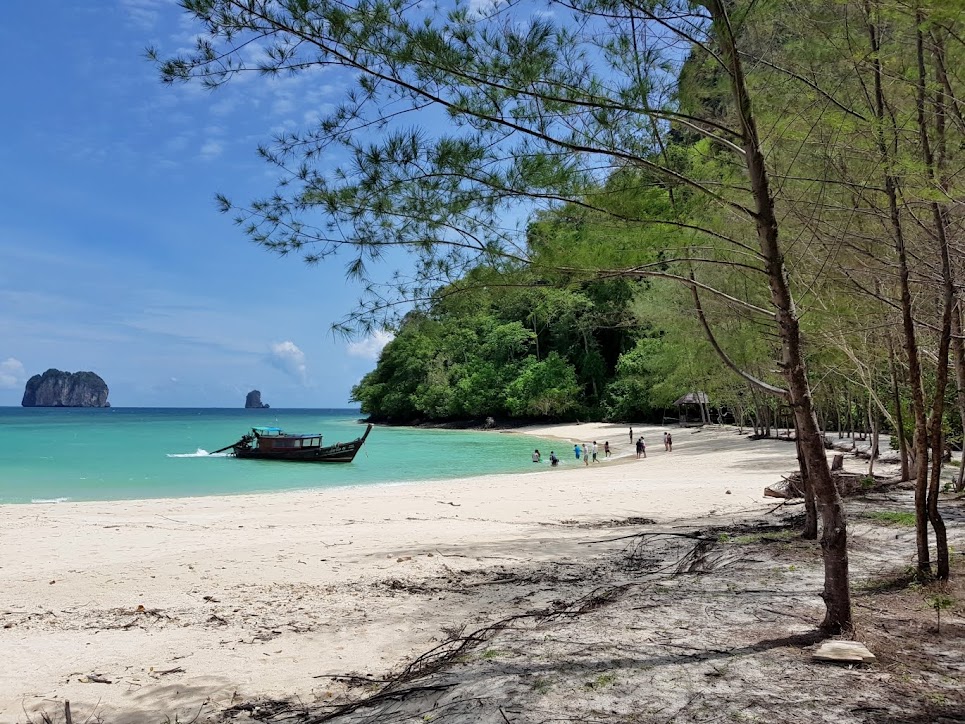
{"x":873,"y":424}
{"x":834,"y":540}
{"x":899,"y":417}
{"x":940,"y":221}
{"x":810,"y":531}
{"x":958,"y":355}
{"x":907,"y":316}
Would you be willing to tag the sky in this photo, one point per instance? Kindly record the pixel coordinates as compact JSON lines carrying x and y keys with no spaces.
{"x":113,"y":255}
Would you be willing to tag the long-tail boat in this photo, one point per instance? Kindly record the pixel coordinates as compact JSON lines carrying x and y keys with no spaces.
{"x":273,"y":443}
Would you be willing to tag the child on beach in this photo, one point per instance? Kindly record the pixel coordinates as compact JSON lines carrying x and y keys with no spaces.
{"x":669,"y":442}
{"x":606,"y":449}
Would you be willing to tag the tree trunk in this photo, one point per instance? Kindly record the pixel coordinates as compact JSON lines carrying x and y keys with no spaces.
{"x":873,"y":424}
{"x":899,"y":417}
{"x":958,"y":354}
{"x":907,"y":317}
{"x":810,"y":531}
{"x":834,"y":540}
{"x":940,"y":220}
{"x":850,"y":403}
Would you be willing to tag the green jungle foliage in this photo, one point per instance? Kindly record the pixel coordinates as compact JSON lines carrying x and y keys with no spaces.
{"x":509,"y":351}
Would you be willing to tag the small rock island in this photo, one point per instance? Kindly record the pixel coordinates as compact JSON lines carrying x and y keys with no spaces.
{"x":65,"y":389}
{"x":253,"y":401}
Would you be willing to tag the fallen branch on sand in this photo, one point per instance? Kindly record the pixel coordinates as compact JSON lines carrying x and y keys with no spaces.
{"x":458,"y":644}
{"x":848,"y":483}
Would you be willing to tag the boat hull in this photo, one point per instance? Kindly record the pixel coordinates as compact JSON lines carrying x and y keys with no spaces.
{"x":343,"y":452}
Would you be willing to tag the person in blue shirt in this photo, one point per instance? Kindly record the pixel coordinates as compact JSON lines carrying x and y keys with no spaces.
{"x":576,"y":451}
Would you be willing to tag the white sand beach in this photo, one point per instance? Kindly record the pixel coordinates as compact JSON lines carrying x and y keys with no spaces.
{"x":179,"y":602}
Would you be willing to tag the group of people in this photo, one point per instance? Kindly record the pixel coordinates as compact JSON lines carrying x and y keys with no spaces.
{"x":554,"y":461}
{"x":585,"y":452}
{"x":642,"y":444}
{"x":590,"y":453}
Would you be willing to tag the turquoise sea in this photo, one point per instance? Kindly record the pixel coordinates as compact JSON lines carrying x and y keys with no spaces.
{"x":59,"y":454}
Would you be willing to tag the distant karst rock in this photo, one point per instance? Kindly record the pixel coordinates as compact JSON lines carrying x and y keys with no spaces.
{"x":65,"y":389}
{"x":253,"y":401}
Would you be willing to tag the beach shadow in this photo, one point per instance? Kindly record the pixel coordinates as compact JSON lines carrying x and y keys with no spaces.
{"x":169,"y":702}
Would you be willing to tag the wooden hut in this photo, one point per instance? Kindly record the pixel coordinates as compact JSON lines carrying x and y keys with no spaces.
{"x":692,"y":409}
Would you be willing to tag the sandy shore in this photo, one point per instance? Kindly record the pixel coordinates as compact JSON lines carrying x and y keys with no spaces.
{"x":175,"y":602}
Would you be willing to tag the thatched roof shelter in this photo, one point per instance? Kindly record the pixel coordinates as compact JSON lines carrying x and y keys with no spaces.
{"x":692,"y":409}
{"x":693,"y":398}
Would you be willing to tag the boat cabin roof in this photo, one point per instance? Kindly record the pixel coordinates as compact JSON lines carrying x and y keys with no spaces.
{"x":278,"y":432}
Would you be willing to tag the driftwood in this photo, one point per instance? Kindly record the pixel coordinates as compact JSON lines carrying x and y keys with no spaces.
{"x":848,"y":483}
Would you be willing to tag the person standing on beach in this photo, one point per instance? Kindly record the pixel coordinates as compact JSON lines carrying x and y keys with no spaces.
{"x":669,"y":442}
{"x":631,"y":434}
{"x":536,"y":456}
{"x":576,"y":451}
{"x":606,"y":449}
{"x":639,"y":447}
{"x":665,"y":436}
{"x":594,"y":449}
{"x":643,"y":446}
{"x":586,"y":458}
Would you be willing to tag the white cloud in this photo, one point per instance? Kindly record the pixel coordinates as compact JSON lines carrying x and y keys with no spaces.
{"x":12,"y":374}
{"x":289,"y":359}
{"x":482,"y":8}
{"x":211,"y":149}
{"x":371,"y":346}
{"x":143,"y":13}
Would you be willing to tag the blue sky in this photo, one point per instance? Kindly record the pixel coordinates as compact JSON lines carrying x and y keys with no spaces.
{"x":113,"y":256}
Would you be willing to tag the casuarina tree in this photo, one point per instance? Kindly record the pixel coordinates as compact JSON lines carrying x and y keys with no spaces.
{"x":458,"y":120}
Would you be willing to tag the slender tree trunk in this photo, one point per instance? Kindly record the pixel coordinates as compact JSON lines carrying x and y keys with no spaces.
{"x":851,"y":436}
{"x":834,"y":540}
{"x":958,"y":354}
{"x":940,"y":220}
{"x":810,"y":531}
{"x":907,"y":316}
{"x":873,"y":424}
{"x":899,"y":416}
{"x":835,"y":397}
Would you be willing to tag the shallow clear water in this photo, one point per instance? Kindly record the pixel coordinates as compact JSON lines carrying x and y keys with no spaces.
{"x":49,"y":454}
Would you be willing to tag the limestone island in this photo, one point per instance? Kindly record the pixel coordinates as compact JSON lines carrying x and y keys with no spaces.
{"x":253,"y":401}
{"x":65,"y":389}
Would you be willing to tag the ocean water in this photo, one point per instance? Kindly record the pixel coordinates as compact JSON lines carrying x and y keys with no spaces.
{"x":60,"y":454}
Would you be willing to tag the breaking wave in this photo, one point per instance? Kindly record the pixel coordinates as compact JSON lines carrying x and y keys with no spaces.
{"x":199,"y":453}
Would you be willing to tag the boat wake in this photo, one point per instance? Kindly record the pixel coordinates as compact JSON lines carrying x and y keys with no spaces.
{"x":199,"y":453}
